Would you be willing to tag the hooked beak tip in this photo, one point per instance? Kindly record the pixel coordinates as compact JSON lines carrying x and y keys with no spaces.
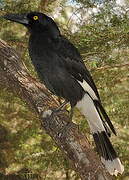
{"x":19,"y":18}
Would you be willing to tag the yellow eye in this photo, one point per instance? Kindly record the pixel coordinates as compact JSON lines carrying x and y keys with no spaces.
{"x":35,"y":17}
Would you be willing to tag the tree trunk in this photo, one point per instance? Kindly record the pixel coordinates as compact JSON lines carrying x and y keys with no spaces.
{"x":66,"y":135}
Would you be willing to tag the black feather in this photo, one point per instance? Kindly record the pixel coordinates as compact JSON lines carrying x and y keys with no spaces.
{"x":104,"y":146}
{"x":104,"y":114}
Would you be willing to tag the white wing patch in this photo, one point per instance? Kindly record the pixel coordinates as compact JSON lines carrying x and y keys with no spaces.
{"x":88,"y":109}
{"x":88,"y":89}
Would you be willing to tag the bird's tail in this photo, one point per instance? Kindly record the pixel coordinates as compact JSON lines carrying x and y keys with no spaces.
{"x":100,"y":134}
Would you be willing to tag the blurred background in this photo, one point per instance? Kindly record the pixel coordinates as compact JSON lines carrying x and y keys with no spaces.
{"x":100,"y":30}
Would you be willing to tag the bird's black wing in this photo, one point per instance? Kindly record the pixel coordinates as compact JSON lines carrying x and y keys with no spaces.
{"x":76,"y":67}
{"x":74,"y":61}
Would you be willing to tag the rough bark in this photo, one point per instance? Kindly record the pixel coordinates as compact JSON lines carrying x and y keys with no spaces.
{"x":66,"y":135}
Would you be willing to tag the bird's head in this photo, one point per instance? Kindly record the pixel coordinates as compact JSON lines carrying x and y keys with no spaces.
{"x":35,"y":22}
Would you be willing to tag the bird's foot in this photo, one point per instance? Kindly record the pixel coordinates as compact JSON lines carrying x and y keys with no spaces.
{"x":71,"y":114}
{"x":61,"y":107}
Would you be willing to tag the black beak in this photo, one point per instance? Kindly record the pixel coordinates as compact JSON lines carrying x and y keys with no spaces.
{"x":19,"y":18}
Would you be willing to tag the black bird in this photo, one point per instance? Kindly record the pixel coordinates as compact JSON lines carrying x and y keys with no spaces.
{"x":60,"y":67}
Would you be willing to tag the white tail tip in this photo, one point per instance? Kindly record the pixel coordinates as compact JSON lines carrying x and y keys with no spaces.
{"x":113,"y":167}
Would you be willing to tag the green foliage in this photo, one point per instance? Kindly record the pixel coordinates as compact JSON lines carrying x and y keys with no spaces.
{"x":103,"y":40}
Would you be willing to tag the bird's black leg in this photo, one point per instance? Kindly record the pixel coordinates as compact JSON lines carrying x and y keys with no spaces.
{"x":71,"y":114}
{"x":59,"y":100}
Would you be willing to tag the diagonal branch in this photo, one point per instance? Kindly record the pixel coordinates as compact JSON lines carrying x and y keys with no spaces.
{"x":66,"y":135}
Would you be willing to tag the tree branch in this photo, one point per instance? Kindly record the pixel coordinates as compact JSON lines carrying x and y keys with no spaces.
{"x":66,"y":135}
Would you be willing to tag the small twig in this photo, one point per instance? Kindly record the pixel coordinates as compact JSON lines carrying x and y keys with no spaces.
{"x":111,"y":67}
